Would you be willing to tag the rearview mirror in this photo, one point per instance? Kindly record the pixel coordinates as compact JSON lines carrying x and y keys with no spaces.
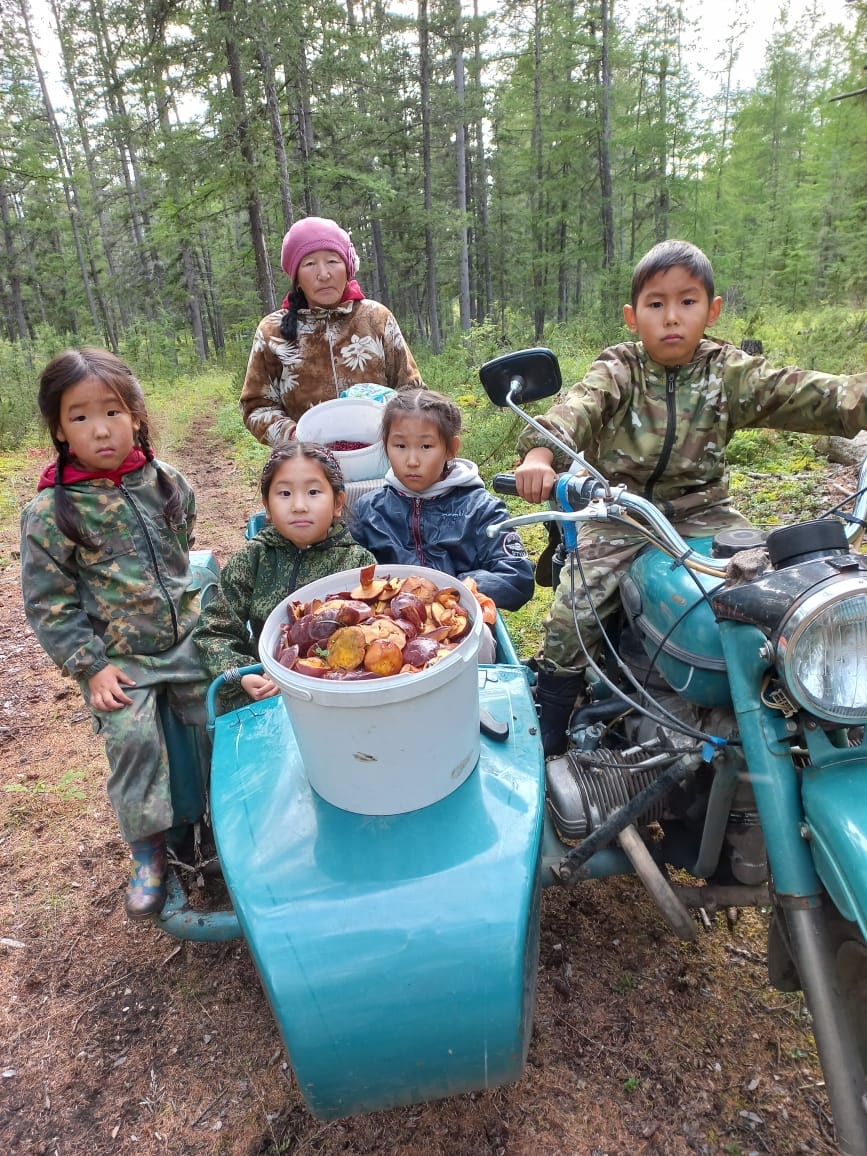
{"x":522,"y":377}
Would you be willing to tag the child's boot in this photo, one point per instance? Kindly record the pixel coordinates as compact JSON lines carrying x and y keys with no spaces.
{"x":146,"y":890}
{"x":556,"y":698}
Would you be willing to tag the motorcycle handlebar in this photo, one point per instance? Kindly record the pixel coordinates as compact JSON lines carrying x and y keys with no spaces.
{"x":572,"y":491}
{"x":580,"y":496}
{"x":505,"y":484}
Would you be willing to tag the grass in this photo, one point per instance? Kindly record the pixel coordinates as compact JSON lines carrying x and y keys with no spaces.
{"x":65,"y":789}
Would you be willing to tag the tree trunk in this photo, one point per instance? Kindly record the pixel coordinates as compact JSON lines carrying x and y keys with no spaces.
{"x":277,"y":135}
{"x":16,"y":318}
{"x":194,"y":309}
{"x":88,"y":278}
{"x":70,"y":79}
{"x":264,"y":280}
{"x":429,"y":248}
{"x":461,"y":167}
{"x":484,"y":273}
{"x":605,"y":182}
{"x":122,"y":134}
{"x":537,"y":217}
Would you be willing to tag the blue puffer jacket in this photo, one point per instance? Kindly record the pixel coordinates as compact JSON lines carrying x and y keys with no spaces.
{"x":443,"y":528}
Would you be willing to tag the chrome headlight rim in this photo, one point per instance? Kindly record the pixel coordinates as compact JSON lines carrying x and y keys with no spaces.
{"x":806,"y":613}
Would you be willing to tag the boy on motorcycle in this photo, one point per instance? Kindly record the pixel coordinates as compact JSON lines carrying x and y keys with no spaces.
{"x":655,"y":415}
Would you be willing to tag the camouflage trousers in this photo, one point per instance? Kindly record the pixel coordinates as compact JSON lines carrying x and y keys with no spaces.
{"x":139,"y":785}
{"x":591,"y":592}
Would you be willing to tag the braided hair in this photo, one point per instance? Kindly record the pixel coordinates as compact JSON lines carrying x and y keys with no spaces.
{"x":426,"y":404}
{"x":289,"y":321}
{"x":312,"y":451}
{"x":68,"y":369}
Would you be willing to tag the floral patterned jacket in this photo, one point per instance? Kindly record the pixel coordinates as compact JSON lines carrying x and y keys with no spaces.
{"x":356,"y":341}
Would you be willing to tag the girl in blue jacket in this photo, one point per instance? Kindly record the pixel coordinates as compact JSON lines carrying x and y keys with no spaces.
{"x":434,"y":509}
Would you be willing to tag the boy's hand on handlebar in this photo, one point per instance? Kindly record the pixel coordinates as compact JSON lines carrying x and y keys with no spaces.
{"x":258,"y":686}
{"x":106,"y":689}
{"x":535,"y":476}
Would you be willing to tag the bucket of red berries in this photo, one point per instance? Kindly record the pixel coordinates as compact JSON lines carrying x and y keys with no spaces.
{"x":350,"y":428}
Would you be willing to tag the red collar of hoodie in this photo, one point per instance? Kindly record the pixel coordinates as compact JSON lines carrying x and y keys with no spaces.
{"x":134,"y":460}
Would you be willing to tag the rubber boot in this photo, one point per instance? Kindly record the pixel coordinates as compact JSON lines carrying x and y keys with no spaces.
{"x":146,"y":890}
{"x":556,"y":697}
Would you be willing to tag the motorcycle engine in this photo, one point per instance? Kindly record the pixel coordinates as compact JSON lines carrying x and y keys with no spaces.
{"x":615,"y":752}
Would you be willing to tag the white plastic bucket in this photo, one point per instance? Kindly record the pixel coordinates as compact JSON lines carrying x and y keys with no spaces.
{"x":383,"y":746}
{"x":348,"y":419}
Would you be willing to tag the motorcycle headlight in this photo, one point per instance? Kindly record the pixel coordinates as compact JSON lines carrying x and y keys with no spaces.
{"x":822,"y":651}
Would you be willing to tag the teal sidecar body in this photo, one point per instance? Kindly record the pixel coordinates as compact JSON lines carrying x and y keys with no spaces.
{"x":398,"y":953}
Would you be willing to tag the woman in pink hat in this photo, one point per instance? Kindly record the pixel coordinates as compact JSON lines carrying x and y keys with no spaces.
{"x":326,"y":337}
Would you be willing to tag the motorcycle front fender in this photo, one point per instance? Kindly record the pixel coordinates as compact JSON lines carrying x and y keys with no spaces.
{"x":835,"y":813}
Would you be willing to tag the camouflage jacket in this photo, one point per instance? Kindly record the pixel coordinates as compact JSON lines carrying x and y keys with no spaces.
{"x":265,"y":570}
{"x":356,"y":341}
{"x":132,"y":593}
{"x":663,"y":432}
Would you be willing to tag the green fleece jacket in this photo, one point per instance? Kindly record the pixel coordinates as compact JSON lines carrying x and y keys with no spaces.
{"x":265,"y":570}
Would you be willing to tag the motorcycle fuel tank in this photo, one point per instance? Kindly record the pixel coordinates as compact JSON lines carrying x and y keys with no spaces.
{"x":669,"y":609}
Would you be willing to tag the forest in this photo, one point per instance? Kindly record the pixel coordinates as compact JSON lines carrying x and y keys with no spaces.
{"x":500,"y":168}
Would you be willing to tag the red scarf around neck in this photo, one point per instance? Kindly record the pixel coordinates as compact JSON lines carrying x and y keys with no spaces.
{"x":134,"y":460}
{"x":352,"y":292}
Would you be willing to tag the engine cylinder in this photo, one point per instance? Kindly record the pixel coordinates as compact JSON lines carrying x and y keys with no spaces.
{"x":584,"y":790}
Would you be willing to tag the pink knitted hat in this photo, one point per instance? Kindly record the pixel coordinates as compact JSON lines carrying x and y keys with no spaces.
{"x":312,"y":233}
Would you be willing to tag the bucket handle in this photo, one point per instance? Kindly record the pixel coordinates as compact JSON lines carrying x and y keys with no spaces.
{"x":297,"y":692}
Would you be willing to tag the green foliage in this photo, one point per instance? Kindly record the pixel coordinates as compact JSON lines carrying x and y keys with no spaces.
{"x":769,"y":476}
{"x":20,"y":365}
{"x":128,"y":223}
{"x":623,"y":983}
{"x":16,"y":486}
{"x":65,"y":789}
{"x":772,"y":452}
{"x":247,"y":454}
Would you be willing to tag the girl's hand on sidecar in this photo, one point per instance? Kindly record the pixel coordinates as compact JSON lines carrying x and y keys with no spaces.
{"x":258,"y":686}
{"x":106,"y":689}
{"x":535,"y":476}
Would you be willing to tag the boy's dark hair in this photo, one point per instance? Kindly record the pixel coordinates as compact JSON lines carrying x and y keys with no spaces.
{"x":61,"y":373}
{"x":667,"y":255}
{"x":314,"y":452}
{"x":423,"y":403}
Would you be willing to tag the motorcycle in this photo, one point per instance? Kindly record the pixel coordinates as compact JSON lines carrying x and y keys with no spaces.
{"x":730,"y":740}
{"x":724,"y":738}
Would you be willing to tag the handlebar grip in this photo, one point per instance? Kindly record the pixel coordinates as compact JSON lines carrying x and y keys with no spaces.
{"x":505,"y":484}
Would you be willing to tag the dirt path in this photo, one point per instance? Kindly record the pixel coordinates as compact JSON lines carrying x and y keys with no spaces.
{"x":117,"y":1039}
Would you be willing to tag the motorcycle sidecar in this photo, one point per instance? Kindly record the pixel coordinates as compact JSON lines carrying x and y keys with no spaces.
{"x":398,"y":953}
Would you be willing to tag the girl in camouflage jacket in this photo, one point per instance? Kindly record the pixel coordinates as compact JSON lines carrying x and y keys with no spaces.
{"x":105,"y":573}
{"x":656,"y":416}
{"x":302,"y":489}
{"x":327,"y":336}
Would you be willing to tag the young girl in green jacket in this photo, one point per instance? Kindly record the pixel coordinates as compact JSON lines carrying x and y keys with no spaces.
{"x":304,"y":539}
{"x":105,"y":574}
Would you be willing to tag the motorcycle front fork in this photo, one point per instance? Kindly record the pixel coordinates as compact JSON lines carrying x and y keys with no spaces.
{"x":766,"y":744}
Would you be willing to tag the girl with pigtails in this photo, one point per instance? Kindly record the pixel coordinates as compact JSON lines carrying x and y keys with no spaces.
{"x":105,"y":573}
